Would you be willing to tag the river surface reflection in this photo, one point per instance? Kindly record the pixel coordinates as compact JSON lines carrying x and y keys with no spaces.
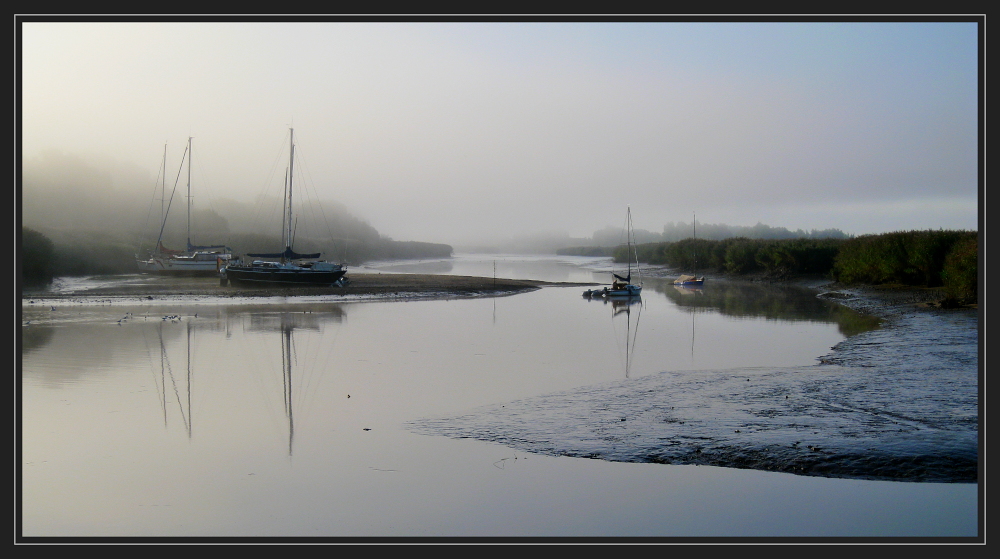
{"x":288,"y":419}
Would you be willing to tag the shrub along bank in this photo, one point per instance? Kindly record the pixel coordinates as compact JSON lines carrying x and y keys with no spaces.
{"x":944,"y":259}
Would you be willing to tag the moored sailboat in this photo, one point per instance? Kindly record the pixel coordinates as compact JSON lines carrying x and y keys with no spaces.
{"x":622,"y":286}
{"x":692,"y":280}
{"x":195,"y":260}
{"x":285,"y":268}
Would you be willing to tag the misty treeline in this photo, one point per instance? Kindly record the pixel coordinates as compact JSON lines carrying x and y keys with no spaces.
{"x":944,"y":258}
{"x":100,"y":216}
{"x":604,"y":241}
{"x":677,"y":231}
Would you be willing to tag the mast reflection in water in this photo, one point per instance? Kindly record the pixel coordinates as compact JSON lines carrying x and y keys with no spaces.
{"x":355,"y":447}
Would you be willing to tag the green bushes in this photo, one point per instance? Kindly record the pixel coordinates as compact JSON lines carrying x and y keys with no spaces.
{"x":37,"y":258}
{"x":72,"y":255}
{"x":947,"y":259}
{"x":741,"y":255}
{"x":960,"y":273}
{"x":905,"y":257}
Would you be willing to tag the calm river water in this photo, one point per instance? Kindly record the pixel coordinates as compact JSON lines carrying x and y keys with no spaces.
{"x":323,"y":418}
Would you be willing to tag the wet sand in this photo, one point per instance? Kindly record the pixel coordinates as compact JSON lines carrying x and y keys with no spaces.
{"x":897,"y":403}
{"x":391,"y":285}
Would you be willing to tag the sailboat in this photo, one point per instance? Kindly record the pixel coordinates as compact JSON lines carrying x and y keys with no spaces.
{"x":622,"y":286}
{"x":286,"y":268}
{"x":692,"y":280}
{"x":195,"y":260}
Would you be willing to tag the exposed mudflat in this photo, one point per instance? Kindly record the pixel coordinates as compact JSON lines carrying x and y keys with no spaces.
{"x":383,"y":285}
{"x":897,"y":403}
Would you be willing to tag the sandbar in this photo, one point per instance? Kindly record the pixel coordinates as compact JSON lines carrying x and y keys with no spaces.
{"x":360,"y":284}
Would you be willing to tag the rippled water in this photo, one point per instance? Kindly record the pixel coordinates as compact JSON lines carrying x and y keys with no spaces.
{"x":461,"y":417}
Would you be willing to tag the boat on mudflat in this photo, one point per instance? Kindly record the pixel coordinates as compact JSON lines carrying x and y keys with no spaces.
{"x":195,"y":260}
{"x":291,"y":272}
{"x":286,"y":268}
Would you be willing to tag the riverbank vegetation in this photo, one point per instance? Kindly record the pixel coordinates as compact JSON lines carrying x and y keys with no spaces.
{"x":943,"y":259}
{"x":37,"y":258}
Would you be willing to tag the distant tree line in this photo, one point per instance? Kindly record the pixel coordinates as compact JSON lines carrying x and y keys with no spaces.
{"x":85,"y":245}
{"x":96,"y":221}
{"x":674,"y":232}
{"x":718,"y":231}
{"x":946,"y":259}
{"x":605,"y":241}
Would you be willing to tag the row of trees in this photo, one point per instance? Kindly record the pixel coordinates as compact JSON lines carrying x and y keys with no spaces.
{"x":947,"y":259}
{"x":740,"y":255}
{"x":676,"y":232}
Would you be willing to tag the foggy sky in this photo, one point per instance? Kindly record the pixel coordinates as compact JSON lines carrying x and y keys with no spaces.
{"x":459,"y":132}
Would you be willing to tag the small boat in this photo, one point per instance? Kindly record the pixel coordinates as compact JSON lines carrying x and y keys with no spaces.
{"x":621,"y":289}
{"x":622,"y":286}
{"x":195,"y":260}
{"x":291,"y":272}
{"x":692,"y":280}
{"x":689,"y":281}
{"x":287,"y":268}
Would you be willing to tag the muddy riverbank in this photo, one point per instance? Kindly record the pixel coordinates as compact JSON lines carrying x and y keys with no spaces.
{"x":898,"y":403}
{"x":369,"y":284}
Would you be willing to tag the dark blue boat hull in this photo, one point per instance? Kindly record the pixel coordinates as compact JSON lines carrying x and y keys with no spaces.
{"x":288,"y":278}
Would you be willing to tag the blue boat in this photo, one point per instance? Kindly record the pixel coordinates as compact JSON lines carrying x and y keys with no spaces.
{"x":622,"y":286}
{"x":288,"y":268}
{"x":689,"y":281}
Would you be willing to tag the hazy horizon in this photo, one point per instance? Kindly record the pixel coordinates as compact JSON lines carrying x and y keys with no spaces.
{"x":465,"y":133}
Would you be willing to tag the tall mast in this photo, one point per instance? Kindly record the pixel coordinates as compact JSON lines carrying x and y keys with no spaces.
{"x":291,"y":162}
{"x":628,"y":239}
{"x":189,"y":195}
{"x":694,"y":237}
{"x":177,"y":179}
{"x":163,"y":197}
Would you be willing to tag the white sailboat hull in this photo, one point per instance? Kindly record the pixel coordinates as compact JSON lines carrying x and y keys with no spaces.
{"x":196,"y":264}
{"x":195,"y":260}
